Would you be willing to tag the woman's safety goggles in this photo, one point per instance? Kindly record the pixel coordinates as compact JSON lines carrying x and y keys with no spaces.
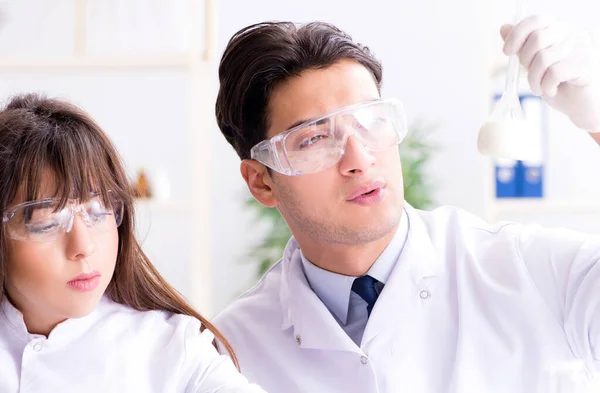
{"x":46,"y":220}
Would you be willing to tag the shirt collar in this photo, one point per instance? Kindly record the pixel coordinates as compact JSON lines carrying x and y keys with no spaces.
{"x":334,"y":289}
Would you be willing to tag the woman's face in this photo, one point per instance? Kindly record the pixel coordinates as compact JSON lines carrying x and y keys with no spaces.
{"x":58,"y":272}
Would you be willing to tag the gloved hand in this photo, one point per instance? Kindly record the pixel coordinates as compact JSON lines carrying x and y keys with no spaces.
{"x":563,"y":67}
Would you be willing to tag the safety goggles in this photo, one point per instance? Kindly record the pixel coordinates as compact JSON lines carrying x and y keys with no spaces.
{"x":45,"y":221}
{"x":319,"y":144}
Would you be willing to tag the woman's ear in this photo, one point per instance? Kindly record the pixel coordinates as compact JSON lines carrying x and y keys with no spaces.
{"x":259,"y":182}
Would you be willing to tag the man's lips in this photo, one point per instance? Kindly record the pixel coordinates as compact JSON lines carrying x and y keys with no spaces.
{"x":366,"y":188}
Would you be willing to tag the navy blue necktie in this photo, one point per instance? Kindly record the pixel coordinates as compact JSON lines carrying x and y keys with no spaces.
{"x":365,"y":288}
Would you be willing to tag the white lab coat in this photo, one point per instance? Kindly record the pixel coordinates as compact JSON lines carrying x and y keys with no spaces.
{"x":114,"y":349}
{"x":468,"y":308}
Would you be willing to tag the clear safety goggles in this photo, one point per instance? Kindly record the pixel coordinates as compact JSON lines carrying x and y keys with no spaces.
{"x":46,"y":221}
{"x":319,"y":144}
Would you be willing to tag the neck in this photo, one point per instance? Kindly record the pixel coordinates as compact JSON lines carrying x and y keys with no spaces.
{"x":36,"y":322}
{"x":40,"y":326}
{"x":349,"y":260}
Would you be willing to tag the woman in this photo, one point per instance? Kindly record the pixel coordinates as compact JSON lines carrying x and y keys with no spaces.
{"x":82,"y":307}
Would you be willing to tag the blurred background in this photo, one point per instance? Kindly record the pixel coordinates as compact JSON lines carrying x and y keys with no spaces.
{"x":146,"y":70}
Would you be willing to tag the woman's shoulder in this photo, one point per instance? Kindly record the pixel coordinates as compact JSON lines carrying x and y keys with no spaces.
{"x":174,"y":342}
{"x":126,"y":320}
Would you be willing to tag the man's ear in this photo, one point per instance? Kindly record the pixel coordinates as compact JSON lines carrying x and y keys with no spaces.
{"x":259,"y":182}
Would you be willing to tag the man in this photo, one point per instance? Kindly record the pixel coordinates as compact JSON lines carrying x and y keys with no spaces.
{"x":372,"y":295}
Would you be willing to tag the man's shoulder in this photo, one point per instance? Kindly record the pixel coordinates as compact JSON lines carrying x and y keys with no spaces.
{"x":459,"y":222}
{"x":453,"y":231}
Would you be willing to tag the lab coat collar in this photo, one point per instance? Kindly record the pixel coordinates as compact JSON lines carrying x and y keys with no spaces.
{"x":64,"y":331}
{"x":334,"y":289}
{"x":12,"y":318}
{"x":313,"y":324}
{"x":412,"y":283}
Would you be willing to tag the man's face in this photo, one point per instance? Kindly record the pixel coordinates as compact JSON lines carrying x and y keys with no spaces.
{"x":359,"y":199}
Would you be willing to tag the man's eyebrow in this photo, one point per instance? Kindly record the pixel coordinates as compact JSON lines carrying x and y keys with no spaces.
{"x":297,"y":123}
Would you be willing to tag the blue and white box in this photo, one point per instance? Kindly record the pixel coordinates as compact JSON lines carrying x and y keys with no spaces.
{"x":532,"y":171}
{"x":524,"y":179}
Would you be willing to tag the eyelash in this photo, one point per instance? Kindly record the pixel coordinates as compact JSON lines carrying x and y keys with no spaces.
{"x":42,"y":229}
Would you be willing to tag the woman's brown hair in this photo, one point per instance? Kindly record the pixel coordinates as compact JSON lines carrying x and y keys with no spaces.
{"x":39,"y":134}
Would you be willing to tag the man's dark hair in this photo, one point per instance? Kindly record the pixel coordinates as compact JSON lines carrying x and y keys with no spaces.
{"x":261,"y":56}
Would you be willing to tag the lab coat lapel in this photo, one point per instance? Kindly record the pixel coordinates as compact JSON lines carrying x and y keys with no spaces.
{"x":416,"y":274}
{"x":313,"y":324}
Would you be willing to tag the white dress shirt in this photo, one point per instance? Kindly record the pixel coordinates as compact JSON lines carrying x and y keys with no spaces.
{"x":114,"y":349}
{"x":469,"y":307}
{"x":335,"y":290}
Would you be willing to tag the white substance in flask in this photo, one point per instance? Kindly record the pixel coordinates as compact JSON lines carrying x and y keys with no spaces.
{"x":509,"y":138}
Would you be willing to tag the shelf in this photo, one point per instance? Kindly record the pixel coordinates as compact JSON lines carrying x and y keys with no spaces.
{"x":518,"y":205}
{"x":162,"y":206}
{"x":177,"y":62}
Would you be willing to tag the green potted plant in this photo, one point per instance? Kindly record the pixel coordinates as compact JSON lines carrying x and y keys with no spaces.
{"x":415,"y":152}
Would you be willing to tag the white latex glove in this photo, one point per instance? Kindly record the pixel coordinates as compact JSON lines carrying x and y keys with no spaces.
{"x":563,"y":67}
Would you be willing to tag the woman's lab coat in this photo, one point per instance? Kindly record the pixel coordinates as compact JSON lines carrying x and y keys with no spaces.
{"x":114,"y":349}
{"x":468,"y":308}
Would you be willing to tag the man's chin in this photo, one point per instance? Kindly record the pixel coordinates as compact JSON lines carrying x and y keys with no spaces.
{"x":374,"y":231}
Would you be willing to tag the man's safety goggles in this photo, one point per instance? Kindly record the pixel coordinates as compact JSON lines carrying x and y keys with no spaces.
{"x":319,"y":144}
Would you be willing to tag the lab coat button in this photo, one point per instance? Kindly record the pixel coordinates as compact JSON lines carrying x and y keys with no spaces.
{"x":298,"y":340}
{"x":364,"y":360}
{"x":37,"y":346}
{"x":424,"y":294}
